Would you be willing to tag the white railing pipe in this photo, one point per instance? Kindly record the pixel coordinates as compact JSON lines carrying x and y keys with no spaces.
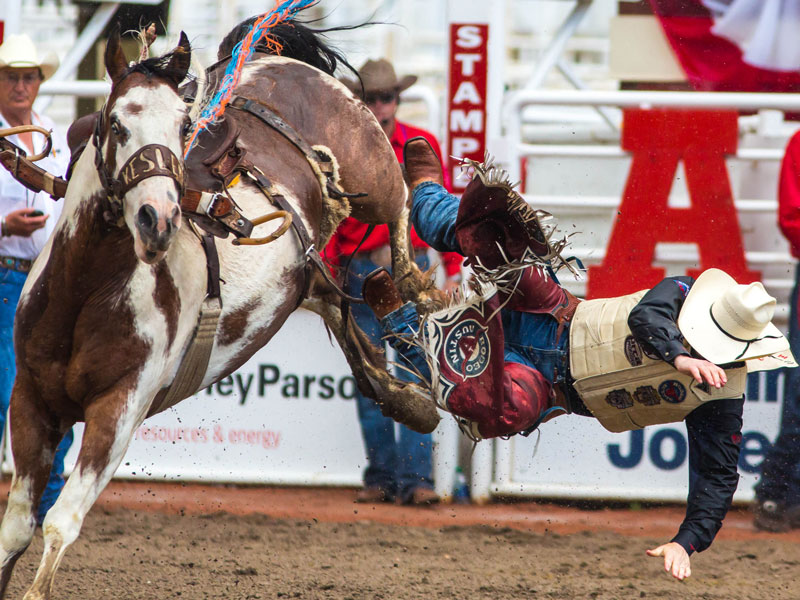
{"x":82,"y":88}
{"x":608,"y":151}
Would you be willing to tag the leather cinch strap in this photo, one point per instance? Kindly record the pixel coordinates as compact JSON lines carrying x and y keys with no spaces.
{"x":194,"y":365}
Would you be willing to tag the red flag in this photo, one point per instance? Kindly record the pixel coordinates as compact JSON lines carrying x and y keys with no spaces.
{"x":734,"y":45}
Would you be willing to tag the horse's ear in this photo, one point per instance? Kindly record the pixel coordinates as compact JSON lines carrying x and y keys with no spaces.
{"x":181,"y":58}
{"x":114,"y":57}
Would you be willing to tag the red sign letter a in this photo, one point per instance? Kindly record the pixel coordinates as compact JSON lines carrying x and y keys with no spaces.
{"x":658,"y":139}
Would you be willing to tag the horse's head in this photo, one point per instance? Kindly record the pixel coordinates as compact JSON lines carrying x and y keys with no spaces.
{"x":139,"y":139}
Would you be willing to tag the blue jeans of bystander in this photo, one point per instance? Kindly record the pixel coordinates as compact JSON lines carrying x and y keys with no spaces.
{"x":397,"y":464}
{"x":780,"y":471}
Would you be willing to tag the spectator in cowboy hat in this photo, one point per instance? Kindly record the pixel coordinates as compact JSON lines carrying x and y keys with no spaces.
{"x":26,"y":218}
{"x":380,"y":88}
{"x":398,"y":465}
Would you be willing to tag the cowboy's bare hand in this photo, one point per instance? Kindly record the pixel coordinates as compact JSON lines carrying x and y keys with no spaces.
{"x":701,"y":370}
{"x":20,"y":222}
{"x":676,"y":560}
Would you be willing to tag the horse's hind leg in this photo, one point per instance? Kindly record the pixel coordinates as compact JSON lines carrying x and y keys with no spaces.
{"x":397,"y":399}
{"x":413,"y":284}
{"x":34,"y":438}
{"x":400,"y":244}
{"x":110,"y":424}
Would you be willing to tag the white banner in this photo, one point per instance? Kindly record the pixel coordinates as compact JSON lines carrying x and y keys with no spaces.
{"x":576,"y":457}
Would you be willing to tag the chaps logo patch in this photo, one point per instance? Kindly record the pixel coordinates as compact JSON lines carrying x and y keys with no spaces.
{"x":466,"y":349}
{"x":672,"y":391}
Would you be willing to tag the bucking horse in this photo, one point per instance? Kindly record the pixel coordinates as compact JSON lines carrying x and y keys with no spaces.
{"x":137,"y":302}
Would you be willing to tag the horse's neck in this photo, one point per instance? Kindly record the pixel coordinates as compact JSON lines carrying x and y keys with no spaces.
{"x":83,"y":234}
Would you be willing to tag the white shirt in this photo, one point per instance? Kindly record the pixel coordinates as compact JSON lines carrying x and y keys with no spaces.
{"x":14,"y":195}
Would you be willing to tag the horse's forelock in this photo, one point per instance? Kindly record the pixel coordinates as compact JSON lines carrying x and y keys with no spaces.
{"x":161,"y":67}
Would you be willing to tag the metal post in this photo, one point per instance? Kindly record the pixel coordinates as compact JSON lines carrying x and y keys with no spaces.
{"x":445,"y":456}
{"x":480,"y":488}
{"x":11,"y":15}
{"x":556,"y":47}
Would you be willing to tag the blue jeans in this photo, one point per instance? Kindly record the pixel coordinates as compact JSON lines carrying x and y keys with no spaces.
{"x":433,"y":214}
{"x":11,"y":283}
{"x":780,"y":471}
{"x":397,"y":464}
{"x":530,"y":339}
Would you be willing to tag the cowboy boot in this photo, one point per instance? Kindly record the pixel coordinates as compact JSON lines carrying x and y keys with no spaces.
{"x":380,"y":293}
{"x":421,"y":163}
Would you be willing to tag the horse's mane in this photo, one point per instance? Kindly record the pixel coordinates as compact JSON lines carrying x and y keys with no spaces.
{"x":298,"y":41}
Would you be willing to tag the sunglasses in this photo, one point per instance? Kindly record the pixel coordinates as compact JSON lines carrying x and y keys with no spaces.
{"x":15,"y":78}
{"x":382,"y":97}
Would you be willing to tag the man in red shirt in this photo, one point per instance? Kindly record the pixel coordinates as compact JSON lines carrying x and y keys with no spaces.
{"x":777,"y":506}
{"x":399,"y":466}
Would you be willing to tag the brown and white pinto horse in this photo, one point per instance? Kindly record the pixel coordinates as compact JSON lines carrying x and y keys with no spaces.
{"x":108,"y":311}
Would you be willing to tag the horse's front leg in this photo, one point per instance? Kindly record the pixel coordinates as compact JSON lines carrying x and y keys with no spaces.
{"x":111,"y":420}
{"x":35,"y":434}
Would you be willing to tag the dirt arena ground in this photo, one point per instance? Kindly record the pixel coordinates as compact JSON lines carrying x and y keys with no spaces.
{"x":154,"y":541}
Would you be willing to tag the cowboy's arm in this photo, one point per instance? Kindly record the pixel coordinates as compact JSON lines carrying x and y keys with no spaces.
{"x":789,"y":194}
{"x":654,"y":321}
{"x":715,"y":432}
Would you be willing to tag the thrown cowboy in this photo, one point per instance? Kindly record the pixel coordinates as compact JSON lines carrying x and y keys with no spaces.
{"x":517,"y":349}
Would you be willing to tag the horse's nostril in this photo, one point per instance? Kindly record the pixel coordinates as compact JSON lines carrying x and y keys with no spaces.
{"x":147,"y":218}
{"x":174,"y":221}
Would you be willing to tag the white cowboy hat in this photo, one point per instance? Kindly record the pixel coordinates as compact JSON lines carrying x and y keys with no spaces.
{"x":727,"y":322}
{"x":18,"y":52}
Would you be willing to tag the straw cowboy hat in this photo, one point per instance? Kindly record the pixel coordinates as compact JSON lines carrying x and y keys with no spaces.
{"x":18,"y":52}
{"x":727,"y":322}
{"x":378,"y":76}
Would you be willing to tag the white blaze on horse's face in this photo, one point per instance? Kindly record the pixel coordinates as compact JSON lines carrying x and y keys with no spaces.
{"x":149,"y":114}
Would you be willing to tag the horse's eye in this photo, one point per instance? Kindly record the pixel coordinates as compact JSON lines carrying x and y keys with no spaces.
{"x":115,"y":127}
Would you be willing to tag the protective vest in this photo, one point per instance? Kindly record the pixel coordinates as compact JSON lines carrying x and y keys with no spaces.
{"x":624,"y":387}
